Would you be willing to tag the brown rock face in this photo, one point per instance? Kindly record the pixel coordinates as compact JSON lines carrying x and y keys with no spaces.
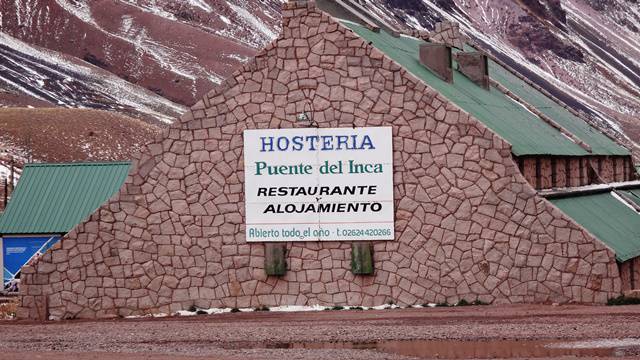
{"x":533,"y":36}
{"x":468,"y":226}
{"x":80,"y":134}
{"x":548,"y":9}
{"x":172,"y":50}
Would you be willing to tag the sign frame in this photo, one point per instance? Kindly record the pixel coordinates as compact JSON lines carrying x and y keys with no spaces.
{"x":319,"y":184}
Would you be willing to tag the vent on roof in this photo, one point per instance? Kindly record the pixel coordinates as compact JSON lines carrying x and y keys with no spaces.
{"x":437,"y":58}
{"x":475,"y":66}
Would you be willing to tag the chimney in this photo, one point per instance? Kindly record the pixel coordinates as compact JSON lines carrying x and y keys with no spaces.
{"x":437,"y":58}
{"x":448,"y":33}
{"x":475,"y":66}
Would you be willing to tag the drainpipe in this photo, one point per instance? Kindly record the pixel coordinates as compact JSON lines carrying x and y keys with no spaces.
{"x":6,"y":193}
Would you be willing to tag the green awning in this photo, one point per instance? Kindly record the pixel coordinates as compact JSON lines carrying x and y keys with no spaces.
{"x":608,"y":218}
{"x":54,"y":198}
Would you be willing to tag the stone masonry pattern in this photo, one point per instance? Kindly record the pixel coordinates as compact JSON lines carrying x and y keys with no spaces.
{"x":468,"y":225}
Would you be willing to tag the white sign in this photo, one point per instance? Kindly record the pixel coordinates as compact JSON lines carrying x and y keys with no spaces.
{"x":314,"y":184}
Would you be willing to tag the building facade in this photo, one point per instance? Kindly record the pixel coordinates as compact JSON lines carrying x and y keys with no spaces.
{"x":468,"y":225}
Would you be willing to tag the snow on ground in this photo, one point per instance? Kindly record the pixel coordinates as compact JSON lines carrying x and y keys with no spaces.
{"x":596,"y":344}
{"x":5,"y":173}
{"x":284,"y":308}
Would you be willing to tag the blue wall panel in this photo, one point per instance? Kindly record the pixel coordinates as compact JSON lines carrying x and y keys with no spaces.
{"x":17,"y":251}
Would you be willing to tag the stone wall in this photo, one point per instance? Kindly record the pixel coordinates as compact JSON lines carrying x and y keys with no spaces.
{"x":468,"y":225}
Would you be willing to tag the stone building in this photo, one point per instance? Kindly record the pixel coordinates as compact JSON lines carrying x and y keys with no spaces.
{"x":475,"y":149}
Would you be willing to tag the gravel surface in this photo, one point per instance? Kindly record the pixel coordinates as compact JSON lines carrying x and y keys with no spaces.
{"x":268,"y":335}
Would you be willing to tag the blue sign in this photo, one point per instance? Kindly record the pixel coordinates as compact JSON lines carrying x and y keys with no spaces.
{"x":18,"y":251}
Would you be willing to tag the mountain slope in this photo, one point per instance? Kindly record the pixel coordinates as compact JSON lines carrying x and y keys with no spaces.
{"x":64,"y":135}
{"x":177,"y":49}
{"x":37,"y":76}
{"x":167,"y":53}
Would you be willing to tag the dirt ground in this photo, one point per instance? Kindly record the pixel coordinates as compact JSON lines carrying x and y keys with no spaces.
{"x":62,"y":135}
{"x":463,"y":332}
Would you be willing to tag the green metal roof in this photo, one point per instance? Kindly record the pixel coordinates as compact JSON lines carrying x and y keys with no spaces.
{"x":611,"y":220}
{"x":632,"y":194}
{"x":526,"y":132}
{"x":600,"y":143}
{"x":54,"y":198}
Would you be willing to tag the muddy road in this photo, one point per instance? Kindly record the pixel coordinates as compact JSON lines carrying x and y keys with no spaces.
{"x":510,"y":332}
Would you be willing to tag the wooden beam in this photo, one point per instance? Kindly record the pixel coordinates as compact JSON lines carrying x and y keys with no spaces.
{"x":368,"y":23}
{"x":588,"y":189}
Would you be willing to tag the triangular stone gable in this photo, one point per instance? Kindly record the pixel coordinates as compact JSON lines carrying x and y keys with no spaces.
{"x":468,"y":226}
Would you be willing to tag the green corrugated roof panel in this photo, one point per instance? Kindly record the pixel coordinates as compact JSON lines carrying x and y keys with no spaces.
{"x":632,"y":194}
{"x":609,"y":219}
{"x":526,"y":132}
{"x":600,"y":143}
{"x":54,"y":198}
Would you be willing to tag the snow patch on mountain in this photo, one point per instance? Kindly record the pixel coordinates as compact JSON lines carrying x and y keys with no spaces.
{"x":200,"y":4}
{"x":254,"y":23}
{"x":77,"y":8}
{"x":35,"y":65}
{"x":152,"y":8}
{"x":225,"y":19}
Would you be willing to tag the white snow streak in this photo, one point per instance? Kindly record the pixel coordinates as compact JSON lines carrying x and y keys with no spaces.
{"x":253,"y":21}
{"x":225,"y":19}
{"x":168,"y":58}
{"x":79,"y":9}
{"x":202,"y":4}
{"x":127,"y":94}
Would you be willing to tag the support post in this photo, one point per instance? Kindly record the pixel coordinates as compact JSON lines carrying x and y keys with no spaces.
{"x":12,"y":174}
{"x":6,"y":194}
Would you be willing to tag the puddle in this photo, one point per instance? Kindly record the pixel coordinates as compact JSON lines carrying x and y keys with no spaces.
{"x":599,"y":343}
{"x":443,"y":349}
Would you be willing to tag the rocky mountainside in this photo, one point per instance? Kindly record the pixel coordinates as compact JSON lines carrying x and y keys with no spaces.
{"x":152,"y":58}
{"x":149,"y":58}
